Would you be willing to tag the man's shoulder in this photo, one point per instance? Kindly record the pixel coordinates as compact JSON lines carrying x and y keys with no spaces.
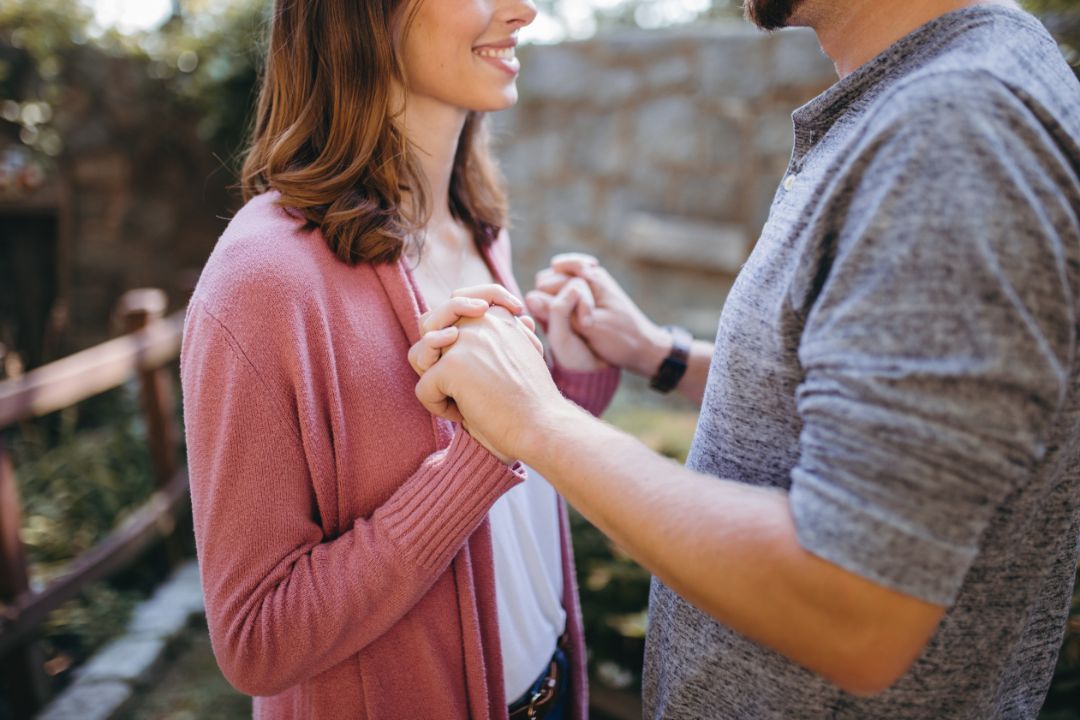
{"x":1005,"y":72}
{"x":944,"y":112}
{"x":943,"y":87}
{"x":943,"y":102}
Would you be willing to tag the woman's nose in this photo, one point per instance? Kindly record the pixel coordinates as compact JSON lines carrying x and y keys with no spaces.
{"x":519,"y":13}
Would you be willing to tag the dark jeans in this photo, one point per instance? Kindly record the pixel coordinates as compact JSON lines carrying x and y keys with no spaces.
{"x":561,"y":709}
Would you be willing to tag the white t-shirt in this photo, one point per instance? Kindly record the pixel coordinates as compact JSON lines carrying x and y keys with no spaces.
{"x":528,"y":580}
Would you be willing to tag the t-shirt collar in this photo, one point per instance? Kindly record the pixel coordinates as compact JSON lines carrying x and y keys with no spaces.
{"x":814,"y":119}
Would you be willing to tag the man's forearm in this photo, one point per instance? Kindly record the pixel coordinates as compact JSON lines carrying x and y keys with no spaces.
{"x":731,"y":550}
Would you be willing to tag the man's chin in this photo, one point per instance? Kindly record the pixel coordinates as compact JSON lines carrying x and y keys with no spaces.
{"x":771,"y":14}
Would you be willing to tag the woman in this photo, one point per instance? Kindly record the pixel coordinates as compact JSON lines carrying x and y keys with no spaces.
{"x":347,"y":557}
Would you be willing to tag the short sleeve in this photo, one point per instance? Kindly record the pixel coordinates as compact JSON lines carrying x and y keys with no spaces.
{"x":935,"y":352}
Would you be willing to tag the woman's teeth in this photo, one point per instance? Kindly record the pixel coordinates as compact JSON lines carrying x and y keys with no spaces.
{"x":500,"y":53}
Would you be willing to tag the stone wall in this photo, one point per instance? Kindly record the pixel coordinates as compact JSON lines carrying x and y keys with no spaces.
{"x":660,"y":152}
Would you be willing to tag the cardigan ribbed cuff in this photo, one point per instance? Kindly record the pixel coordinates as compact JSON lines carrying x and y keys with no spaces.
{"x":592,"y":390}
{"x":447,"y":499}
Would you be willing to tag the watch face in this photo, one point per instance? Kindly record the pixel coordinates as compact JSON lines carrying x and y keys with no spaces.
{"x":669,"y":374}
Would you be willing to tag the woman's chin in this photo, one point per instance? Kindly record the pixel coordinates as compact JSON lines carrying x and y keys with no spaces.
{"x":495,"y":102}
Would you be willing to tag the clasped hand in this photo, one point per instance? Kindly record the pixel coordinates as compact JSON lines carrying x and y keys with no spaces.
{"x":607,"y":322}
{"x":480,"y":360}
{"x":482,"y":365}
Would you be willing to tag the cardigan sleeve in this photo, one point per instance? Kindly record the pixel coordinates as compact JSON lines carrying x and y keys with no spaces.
{"x":283,"y":601}
{"x":592,"y":390}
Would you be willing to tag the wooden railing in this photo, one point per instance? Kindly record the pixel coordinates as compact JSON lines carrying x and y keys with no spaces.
{"x":152,"y":344}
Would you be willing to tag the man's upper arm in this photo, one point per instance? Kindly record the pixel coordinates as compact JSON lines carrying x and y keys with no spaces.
{"x":936,"y":352}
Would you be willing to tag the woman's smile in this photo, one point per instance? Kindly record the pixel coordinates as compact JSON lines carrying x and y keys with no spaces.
{"x":502,"y":55}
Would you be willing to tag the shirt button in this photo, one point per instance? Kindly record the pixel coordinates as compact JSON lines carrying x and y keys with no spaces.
{"x":789,"y":182}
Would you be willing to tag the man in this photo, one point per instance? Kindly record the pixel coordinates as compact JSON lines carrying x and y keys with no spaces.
{"x":880,"y":514}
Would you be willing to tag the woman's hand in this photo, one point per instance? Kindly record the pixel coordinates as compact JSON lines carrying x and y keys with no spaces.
{"x":438,"y":327}
{"x":440,"y":330}
{"x":561,"y":313}
{"x":616,"y":330}
{"x":489,"y":380}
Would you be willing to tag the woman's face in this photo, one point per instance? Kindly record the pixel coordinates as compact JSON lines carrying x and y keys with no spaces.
{"x":462,"y":52}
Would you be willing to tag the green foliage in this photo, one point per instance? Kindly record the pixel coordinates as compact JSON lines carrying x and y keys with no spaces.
{"x":212,"y":59}
{"x":206,"y":62}
{"x":76,"y":484}
{"x":1062,"y":17}
{"x":614,"y":599}
{"x":1047,"y":6}
{"x":34,"y":40}
{"x":74,"y":631}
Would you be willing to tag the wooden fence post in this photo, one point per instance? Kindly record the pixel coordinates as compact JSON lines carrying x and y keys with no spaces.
{"x":22,"y":677}
{"x":139,"y":308}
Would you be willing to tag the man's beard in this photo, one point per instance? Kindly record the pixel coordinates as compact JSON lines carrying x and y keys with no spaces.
{"x":771,"y":14}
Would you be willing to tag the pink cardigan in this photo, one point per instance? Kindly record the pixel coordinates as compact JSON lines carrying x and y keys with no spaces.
{"x":342,"y":530}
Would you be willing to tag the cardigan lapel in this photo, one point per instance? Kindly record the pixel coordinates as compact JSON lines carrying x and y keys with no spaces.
{"x":408,"y":304}
{"x":400,"y":289}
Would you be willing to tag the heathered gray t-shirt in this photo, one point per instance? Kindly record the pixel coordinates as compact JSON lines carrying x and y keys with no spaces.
{"x":900,"y":354}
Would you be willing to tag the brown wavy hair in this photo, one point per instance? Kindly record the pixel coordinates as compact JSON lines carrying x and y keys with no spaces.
{"x":327,"y":138}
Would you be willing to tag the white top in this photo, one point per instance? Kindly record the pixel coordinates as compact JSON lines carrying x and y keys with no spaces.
{"x":528,"y":580}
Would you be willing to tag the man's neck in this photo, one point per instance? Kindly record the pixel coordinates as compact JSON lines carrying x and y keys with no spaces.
{"x":854,"y":32}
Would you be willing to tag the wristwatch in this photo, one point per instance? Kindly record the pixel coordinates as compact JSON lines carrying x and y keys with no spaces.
{"x":674,"y":366}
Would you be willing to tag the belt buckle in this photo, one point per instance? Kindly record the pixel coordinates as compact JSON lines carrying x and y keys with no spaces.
{"x":549,"y":684}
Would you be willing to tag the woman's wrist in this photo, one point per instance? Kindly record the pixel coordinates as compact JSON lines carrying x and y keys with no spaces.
{"x":582,"y":363}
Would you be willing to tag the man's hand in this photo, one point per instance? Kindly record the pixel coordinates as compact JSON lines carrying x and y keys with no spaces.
{"x":616,"y":330}
{"x":438,"y":326}
{"x":493,"y":381}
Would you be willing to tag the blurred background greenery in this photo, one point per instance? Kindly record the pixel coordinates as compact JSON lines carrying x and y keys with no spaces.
{"x":80,"y":469}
